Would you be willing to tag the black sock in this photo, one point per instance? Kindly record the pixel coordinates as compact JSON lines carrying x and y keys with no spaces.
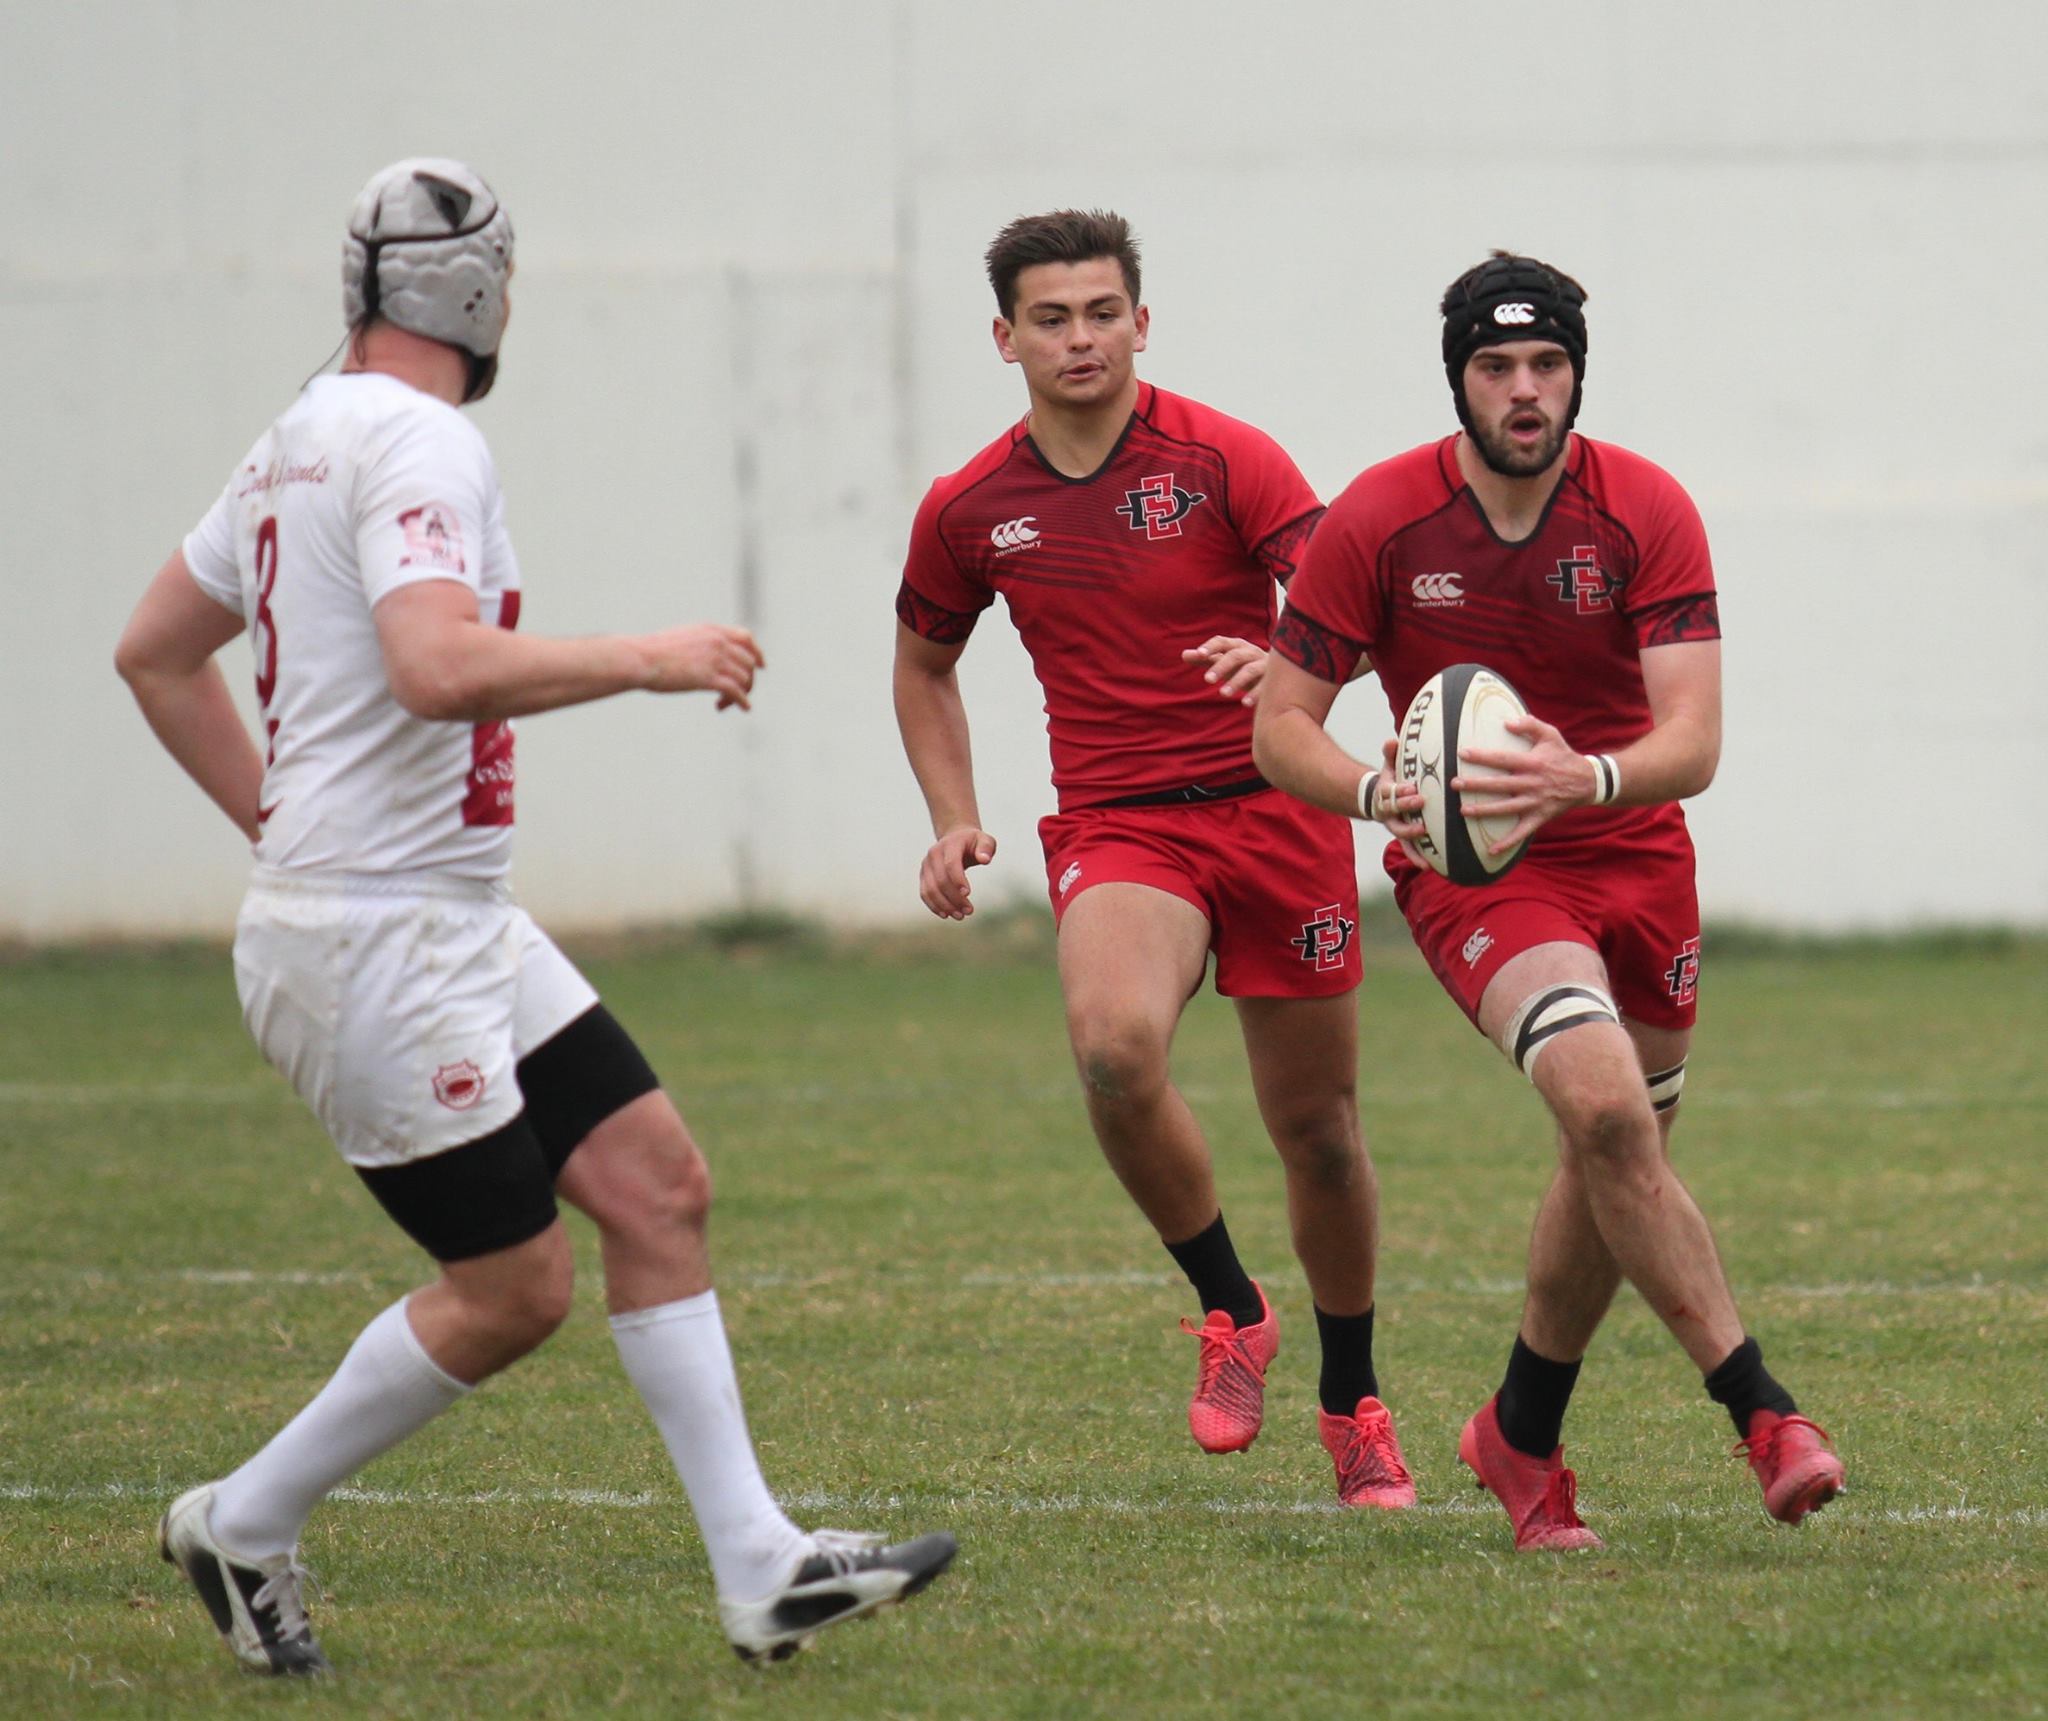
{"x":1745,"y":1386}
{"x":1347,"y":1362}
{"x":1532,"y":1400}
{"x":1212,"y":1267}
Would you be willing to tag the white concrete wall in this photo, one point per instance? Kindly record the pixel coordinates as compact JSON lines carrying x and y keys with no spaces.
{"x":751,"y":325}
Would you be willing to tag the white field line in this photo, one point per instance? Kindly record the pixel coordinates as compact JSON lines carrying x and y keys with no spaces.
{"x":995,"y":1279}
{"x":1014,"y":1505}
{"x":1701,"y":1094}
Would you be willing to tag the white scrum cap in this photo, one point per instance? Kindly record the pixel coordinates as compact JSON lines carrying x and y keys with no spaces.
{"x":429,"y":248}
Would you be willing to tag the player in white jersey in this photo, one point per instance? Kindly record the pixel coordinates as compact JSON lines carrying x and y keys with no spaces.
{"x":465,"y":1069}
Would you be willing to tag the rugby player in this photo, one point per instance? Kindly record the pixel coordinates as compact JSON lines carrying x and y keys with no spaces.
{"x":1580,"y":572}
{"x":1137,"y":537}
{"x":467,"y":1072}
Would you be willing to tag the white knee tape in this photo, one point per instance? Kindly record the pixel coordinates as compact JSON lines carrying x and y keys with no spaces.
{"x":1546,"y":1014}
{"x":1666,"y":1086}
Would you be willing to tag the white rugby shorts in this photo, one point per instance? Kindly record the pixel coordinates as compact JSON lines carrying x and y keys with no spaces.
{"x":398,"y":1006}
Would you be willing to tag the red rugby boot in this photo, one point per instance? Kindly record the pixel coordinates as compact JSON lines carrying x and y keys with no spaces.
{"x":1541,"y":1495}
{"x":1370,"y":1471}
{"x":1795,"y":1461}
{"x":1230,"y":1387}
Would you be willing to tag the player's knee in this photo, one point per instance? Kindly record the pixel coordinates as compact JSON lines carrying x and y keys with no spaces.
{"x":675,"y":1194}
{"x":521,"y":1309}
{"x":1120,"y":1059}
{"x":1322,"y":1146}
{"x":641,"y":1174}
{"x":542,"y":1309}
{"x":1610,"y":1129}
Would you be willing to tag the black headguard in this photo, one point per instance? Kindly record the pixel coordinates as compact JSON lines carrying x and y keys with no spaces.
{"x":1510,"y":298}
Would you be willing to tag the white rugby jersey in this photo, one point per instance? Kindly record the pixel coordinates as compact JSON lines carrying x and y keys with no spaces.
{"x":362,"y":486}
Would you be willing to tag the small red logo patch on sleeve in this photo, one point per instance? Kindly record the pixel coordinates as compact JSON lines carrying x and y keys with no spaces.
{"x":433,"y":538}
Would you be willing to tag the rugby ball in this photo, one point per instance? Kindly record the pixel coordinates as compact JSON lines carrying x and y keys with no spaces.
{"x":1466,"y":705}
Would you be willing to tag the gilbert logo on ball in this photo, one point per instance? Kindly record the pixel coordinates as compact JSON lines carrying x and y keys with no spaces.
{"x":1464,"y":706}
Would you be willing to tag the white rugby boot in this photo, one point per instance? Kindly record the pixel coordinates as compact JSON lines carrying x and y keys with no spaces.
{"x":255,"y":1604}
{"x":847,"y":1575}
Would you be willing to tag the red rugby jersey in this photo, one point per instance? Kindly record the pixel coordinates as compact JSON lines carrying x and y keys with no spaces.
{"x":1407,"y":567}
{"x":1179,"y":534}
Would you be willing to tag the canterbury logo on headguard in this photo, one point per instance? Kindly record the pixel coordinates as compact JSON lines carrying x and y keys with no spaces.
{"x":1514,"y":313}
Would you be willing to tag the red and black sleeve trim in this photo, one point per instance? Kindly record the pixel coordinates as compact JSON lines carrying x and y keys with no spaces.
{"x":1677,"y":620}
{"x":932,"y":621}
{"x":1280,"y":553}
{"x":1323,"y":652}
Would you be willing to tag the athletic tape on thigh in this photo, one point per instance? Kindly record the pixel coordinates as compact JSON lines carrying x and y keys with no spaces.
{"x":1666,"y":1086}
{"x":1546,"y":1014}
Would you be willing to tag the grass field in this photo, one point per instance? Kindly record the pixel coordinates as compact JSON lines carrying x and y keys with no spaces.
{"x":947,"y":1315}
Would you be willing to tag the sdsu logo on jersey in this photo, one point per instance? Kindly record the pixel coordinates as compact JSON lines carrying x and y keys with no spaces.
{"x":1581,"y":581}
{"x":1158,"y":506}
{"x":433,"y":539}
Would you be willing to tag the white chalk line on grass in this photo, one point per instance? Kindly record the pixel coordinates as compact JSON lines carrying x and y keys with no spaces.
{"x":1016,"y":1505}
{"x":1703,"y":1094}
{"x":997,"y":1279}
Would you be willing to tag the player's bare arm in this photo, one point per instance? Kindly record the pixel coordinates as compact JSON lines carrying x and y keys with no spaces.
{"x":1674,"y":761}
{"x":1294,"y":751}
{"x":445,"y":665}
{"x":1234,"y":667}
{"x":933,"y":722}
{"x":166,"y":656}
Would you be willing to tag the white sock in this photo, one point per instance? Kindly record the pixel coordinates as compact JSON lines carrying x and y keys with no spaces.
{"x":677,"y":1357}
{"x":386,"y":1388}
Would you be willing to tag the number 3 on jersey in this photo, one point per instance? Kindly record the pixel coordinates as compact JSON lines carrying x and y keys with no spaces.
{"x":265,"y":636}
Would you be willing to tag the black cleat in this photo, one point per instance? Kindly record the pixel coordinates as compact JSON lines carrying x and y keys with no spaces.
{"x":255,"y":1604}
{"x":846,"y":1576}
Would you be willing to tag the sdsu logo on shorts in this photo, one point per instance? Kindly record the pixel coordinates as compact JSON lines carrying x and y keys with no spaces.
{"x":459,"y":1086}
{"x":1682,"y":978}
{"x":1325,"y":939}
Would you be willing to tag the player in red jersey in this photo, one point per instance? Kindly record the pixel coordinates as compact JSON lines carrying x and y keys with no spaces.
{"x":1137,"y":538}
{"x":1580,"y":572}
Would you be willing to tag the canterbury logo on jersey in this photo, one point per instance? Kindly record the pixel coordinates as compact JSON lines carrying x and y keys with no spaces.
{"x":1438,"y":591}
{"x":1015,"y":534}
{"x":1514,"y":313}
